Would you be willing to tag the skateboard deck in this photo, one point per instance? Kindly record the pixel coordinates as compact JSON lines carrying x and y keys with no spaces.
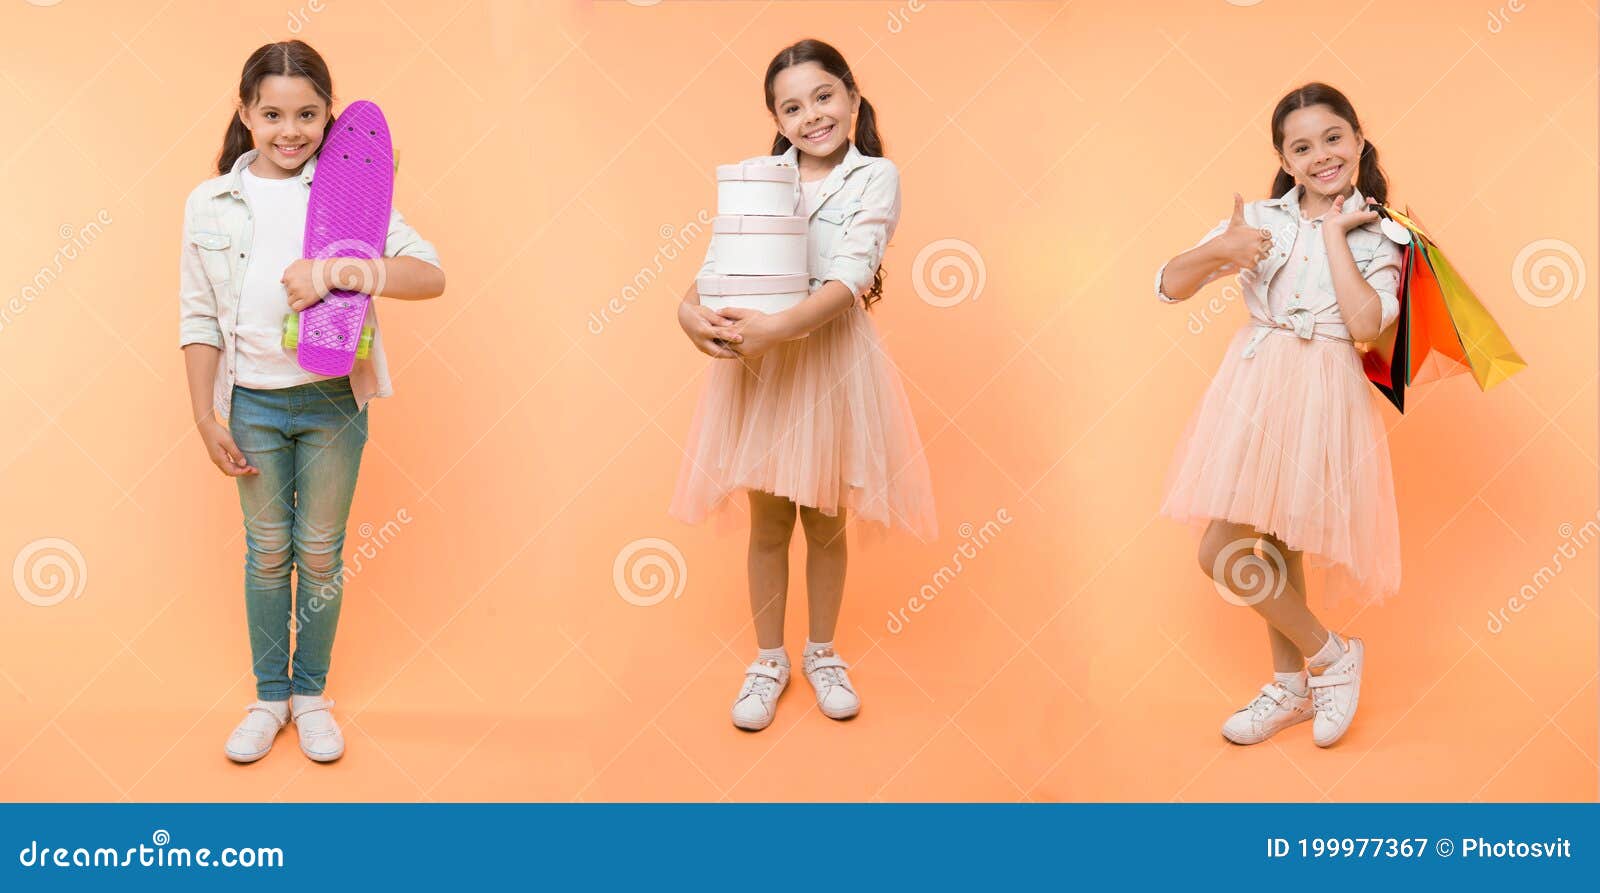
{"x":347,"y":216}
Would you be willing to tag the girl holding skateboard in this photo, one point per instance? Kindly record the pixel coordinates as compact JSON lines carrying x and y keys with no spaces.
{"x":291,"y":439}
{"x":1287,"y":451}
{"x":802,"y":410}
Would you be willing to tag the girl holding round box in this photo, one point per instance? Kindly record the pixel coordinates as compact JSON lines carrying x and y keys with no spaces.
{"x":803,"y":411}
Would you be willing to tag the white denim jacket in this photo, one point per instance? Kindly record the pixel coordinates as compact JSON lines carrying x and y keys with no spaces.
{"x":1314,"y":311}
{"x":218,"y":226}
{"x":858,"y":208}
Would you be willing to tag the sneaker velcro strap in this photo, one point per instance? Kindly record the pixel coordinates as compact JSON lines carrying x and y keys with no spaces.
{"x":830,"y":661}
{"x":263,"y":708}
{"x":760,"y":669}
{"x":1327,"y":679}
{"x":313,"y":708}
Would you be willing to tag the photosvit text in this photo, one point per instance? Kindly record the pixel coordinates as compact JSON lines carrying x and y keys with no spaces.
{"x":1416,"y":848}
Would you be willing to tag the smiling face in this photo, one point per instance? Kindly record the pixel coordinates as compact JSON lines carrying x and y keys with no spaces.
{"x":1321,"y":151}
{"x":286,"y":124}
{"x":813,"y":109}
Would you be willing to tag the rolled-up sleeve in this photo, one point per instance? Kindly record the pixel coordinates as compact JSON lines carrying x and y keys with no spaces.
{"x":197,"y":302}
{"x":1215,"y":232}
{"x":859,"y":248}
{"x":403,"y":241}
{"x":1383,"y":274}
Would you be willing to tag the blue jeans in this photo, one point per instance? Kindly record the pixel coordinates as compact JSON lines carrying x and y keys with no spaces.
{"x":307,"y":442}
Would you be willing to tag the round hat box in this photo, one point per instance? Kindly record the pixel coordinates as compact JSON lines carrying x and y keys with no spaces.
{"x":768,"y":294}
{"x":758,"y":246}
{"x":757,"y":188}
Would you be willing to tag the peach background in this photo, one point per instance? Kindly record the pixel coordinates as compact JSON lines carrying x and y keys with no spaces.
{"x":485,"y":652}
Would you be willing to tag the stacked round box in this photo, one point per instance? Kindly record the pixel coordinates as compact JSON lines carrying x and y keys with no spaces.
{"x":758,"y":245}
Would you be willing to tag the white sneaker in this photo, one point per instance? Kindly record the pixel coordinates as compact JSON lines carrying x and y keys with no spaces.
{"x":320,"y":738}
{"x":1274,"y":710}
{"x":253,"y":736}
{"x":1335,"y":693}
{"x":757,"y":703}
{"x":836,"y":697}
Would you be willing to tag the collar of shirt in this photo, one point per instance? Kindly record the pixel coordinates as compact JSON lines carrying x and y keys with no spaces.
{"x":830,"y":184}
{"x":231,"y":183}
{"x":1290,"y":201}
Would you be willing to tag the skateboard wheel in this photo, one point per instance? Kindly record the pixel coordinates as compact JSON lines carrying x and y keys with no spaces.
{"x":291,"y":331}
{"x":364,"y":346}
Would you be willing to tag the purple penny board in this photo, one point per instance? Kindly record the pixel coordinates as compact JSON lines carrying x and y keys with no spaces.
{"x":347,"y":216}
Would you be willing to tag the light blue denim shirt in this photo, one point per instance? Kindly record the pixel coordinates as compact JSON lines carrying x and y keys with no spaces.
{"x":1314,"y":311}
{"x":858,"y":208}
{"x":218,"y":226}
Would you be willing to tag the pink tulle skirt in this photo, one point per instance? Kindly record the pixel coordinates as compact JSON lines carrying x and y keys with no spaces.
{"x":822,"y":421}
{"x":1291,"y":442}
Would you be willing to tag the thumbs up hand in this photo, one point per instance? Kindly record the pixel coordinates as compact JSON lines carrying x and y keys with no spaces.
{"x":1242,"y":246}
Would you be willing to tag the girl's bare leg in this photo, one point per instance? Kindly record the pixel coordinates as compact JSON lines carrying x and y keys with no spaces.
{"x":1286,"y":658}
{"x":771,"y":526}
{"x":1224,"y":559}
{"x":825,"y":566}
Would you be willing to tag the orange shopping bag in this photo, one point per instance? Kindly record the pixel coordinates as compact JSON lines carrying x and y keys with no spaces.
{"x":1443,"y":328}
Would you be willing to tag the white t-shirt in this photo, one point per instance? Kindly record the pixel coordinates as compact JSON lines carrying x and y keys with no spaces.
{"x":279,"y":209}
{"x":808,"y":196}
